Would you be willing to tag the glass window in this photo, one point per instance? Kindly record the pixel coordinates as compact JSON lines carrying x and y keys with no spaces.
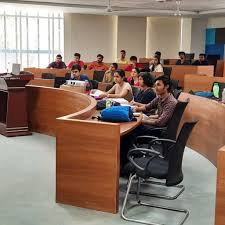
{"x":30,"y":37}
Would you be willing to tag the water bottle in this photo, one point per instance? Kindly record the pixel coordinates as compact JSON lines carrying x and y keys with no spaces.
{"x":216,"y":90}
{"x":223,"y":96}
{"x":108,"y":103}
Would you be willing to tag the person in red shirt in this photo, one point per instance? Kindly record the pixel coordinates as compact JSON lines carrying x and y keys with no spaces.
{"x":76,"y":61}
{"x":98,"y":65}
{"x":132,"y":65}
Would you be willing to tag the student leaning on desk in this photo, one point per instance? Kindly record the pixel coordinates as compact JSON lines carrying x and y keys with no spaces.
{"x":121,"y":89}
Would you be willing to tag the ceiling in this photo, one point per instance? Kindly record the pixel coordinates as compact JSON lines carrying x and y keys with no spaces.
{"x":133,"y":8}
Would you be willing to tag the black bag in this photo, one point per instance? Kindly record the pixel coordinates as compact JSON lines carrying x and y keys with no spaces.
{"x":102,"y":104}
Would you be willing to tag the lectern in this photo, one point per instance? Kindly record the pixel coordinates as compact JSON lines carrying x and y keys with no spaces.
{"x":13,"y":105}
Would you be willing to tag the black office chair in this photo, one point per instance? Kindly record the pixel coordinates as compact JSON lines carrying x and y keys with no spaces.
{"x":98,"y":75}
{"x":94,"y":84}
{"x":147,"y":163}
{"x":48,"y":76}
{"x":167,"y":71}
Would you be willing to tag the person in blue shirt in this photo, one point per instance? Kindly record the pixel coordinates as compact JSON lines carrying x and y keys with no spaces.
{"x":76,"y":75}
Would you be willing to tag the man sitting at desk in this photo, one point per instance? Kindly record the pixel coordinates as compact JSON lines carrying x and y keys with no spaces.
{"x":201,"y":61}
{"x":182,"y":60}
{"x":164,"y":104}
{"x":58,"y":63}
{"x":76,"y":75}
{"x":98,"y":65}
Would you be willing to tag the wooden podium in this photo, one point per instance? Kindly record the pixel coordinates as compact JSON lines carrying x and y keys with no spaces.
{"x":13,"y":105}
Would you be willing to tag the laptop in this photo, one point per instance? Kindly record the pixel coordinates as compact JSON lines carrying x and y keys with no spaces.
{"x":15,"y":69}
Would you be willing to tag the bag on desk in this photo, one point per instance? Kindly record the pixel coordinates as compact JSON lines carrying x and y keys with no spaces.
{"x":117,"y":114}
{"x":102,"y":104}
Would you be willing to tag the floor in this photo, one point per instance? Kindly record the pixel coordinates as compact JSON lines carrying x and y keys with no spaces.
{"x":27,"y":190}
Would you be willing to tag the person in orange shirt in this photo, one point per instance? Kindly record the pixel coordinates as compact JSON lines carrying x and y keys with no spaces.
{"x":98,"y":65}
{"x":76,"y":61}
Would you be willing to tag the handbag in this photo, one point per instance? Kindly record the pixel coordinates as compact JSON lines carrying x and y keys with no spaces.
{"x":117,"y":114}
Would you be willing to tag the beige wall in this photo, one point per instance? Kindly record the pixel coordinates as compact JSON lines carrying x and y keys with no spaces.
{"x":163,"y":34}
{"x":90,"y":35}
{"x":132,"y":35}
{"x":216,"y":22}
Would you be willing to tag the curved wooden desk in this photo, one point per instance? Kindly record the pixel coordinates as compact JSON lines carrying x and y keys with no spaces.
{"x":87,"y":152}
{"x":208,"y":138}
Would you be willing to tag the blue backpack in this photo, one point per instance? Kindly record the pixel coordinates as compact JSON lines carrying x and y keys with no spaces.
{"x":117,"y":114}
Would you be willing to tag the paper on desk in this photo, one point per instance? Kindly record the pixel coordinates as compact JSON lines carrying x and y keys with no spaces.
{"x":122,"y":101}
{"x":96,"y":93}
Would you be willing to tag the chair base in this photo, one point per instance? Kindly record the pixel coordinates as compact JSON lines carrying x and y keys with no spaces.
{"x":184,"y":211}
{"x":167,"y":197}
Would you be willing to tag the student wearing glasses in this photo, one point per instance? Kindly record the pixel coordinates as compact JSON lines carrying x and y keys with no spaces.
{"x":121,"y":89}
{"x":76,"y":75}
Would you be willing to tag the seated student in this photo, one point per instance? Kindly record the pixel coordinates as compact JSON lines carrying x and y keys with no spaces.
{"x":133,"y":79}
{"x":182,"y":60}
{"x":201,"y":61}
{"x":58,"y":63}
{"x":76,"y":61}
{"x":133,"y":63}
{"x":98,"y":65}
{"x":108,"y":76}
{"x":147,"y":94}
{"x":122,"y":59}
{"x":155,"y":65}
{"x":121,"y":89}
{"x":164,"y":104}
{"x":75,"y":74}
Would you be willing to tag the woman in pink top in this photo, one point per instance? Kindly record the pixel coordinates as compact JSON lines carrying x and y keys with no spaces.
{"x":133,"y":79}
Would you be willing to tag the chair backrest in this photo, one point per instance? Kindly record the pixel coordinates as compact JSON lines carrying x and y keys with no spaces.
{"x":135,"y":91}
{"x":174,"y":121}
{"x":167,"y":71}
{"x":94,"y":84}
{"x":174,"y":83}
{"x":98,"y":75}
{"x":175,"y":174}
{"x":48,"y":76}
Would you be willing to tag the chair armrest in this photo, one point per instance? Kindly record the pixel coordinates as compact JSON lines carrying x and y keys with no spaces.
{"x":145,"y":139}
{"x":162,"y":140}
{"x":141,"y":152}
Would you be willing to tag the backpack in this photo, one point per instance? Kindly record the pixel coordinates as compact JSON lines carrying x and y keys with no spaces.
{"x":117,"y":114}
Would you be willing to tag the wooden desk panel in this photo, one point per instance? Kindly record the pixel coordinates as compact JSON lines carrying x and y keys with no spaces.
{"x":220,"y":68}
{"x":197,"y":82}
{"x":87,"y":168}
{"x":38,"y":71}
{"x":46,"y":104}
{"x":42,"y":82}
{"x":178,"y":72}
{"x":208,"y":136}
{"x":220,"y":194}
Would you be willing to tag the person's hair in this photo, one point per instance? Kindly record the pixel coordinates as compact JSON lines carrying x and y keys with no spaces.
{"x":165,"y":80}
{"x":202,"y":54}
{"x":121,"y":73}
{"x":123,"y":51}
{"x":132,"y":58}
{"x":77,"y":54}
{"x":158,"y":53}
{"x":180,"y":53}
{"x":76,"y":67}
{"x":100,"y":55}
{"x":157,"y":57}
{"x":115,"y":65}
{"x":59,"y":56}
{"x":137,"y":69}
{"x":148,"y":79}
